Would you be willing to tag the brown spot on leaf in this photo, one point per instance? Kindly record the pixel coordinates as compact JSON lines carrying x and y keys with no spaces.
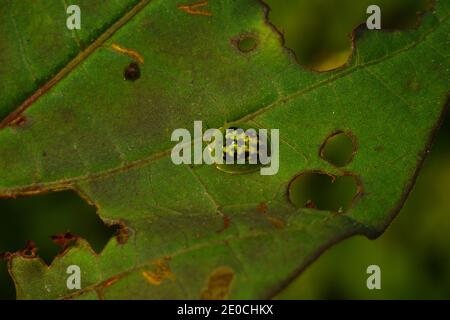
{"x":123,"y":234}
{"x":64,"y":239}
{"x":29,"y":251}
{"x":132,"y":72}
{"x":310,"y":205}
{"x":110,"y":282}
{"x":19,"y":122}
{"x":160,"y":273}
{"x":5,"y":255}
{"x":262,"y":208}
{"x":276,"y":222}
{"x":226,"y":223}
{"x":219,"y":284}
{"x":100,"y":289}
{"x":194,"y":8}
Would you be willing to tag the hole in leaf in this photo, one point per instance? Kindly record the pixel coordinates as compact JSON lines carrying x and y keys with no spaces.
{"x":46,"y":219}
{"x":319,"y":31}
{"x":132,"y":72}
{"x":245,"y":43}
{"x":318,"y":190}
{"x":338,"y":149}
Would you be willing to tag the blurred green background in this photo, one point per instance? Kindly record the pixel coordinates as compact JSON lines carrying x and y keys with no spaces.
{"x":414,"y":253}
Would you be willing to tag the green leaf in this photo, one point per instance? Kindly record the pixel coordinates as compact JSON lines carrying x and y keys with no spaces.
{"x":198,"y":232}
{"x":36,"y":45}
